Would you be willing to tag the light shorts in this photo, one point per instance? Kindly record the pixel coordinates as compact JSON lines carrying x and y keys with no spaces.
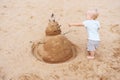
{"x":92,"y":45}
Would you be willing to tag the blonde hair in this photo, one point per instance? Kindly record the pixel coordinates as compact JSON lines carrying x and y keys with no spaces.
{"x":93,"y":13}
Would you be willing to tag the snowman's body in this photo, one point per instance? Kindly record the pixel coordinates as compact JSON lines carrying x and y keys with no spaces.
{"x":56,"y":47}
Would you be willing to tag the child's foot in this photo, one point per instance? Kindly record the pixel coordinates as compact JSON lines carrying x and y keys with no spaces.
{"x":90,"y":57}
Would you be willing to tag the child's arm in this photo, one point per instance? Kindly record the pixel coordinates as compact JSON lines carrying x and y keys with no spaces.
{"x":77,"y":25}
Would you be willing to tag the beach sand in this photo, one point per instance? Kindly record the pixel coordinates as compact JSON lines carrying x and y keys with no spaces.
{"x":23,"y":22}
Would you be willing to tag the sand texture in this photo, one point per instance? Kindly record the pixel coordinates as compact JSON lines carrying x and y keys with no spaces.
{"x":23,"y":22}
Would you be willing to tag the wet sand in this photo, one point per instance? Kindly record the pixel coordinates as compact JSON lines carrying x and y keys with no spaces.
{"x":24,"y":21}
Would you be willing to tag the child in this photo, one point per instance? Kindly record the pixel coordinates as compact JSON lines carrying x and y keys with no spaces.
{"x":92,"y":26}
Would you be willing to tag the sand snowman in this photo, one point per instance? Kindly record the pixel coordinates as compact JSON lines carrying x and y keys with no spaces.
{"x":56,"y":47}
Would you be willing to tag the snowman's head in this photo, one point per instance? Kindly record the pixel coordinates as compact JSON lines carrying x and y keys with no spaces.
{"x":53,"y":28}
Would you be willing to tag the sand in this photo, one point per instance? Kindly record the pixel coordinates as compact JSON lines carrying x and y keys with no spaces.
{"x":23,"y":22}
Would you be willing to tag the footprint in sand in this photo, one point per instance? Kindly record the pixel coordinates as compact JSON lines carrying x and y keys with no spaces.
{"x":116,"y":48}
{"x":74,"y":67}
{"x":52,"y":77}
{"x":116,"y":52}
{"x":27,"y":77}
{"x":2,"y":13}
{"x":115,"y":28}
{"x":103,"y":78}
{"x":4,"y":6}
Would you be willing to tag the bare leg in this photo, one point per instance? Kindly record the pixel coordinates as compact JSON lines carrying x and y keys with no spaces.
{"x":91,"y":54}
